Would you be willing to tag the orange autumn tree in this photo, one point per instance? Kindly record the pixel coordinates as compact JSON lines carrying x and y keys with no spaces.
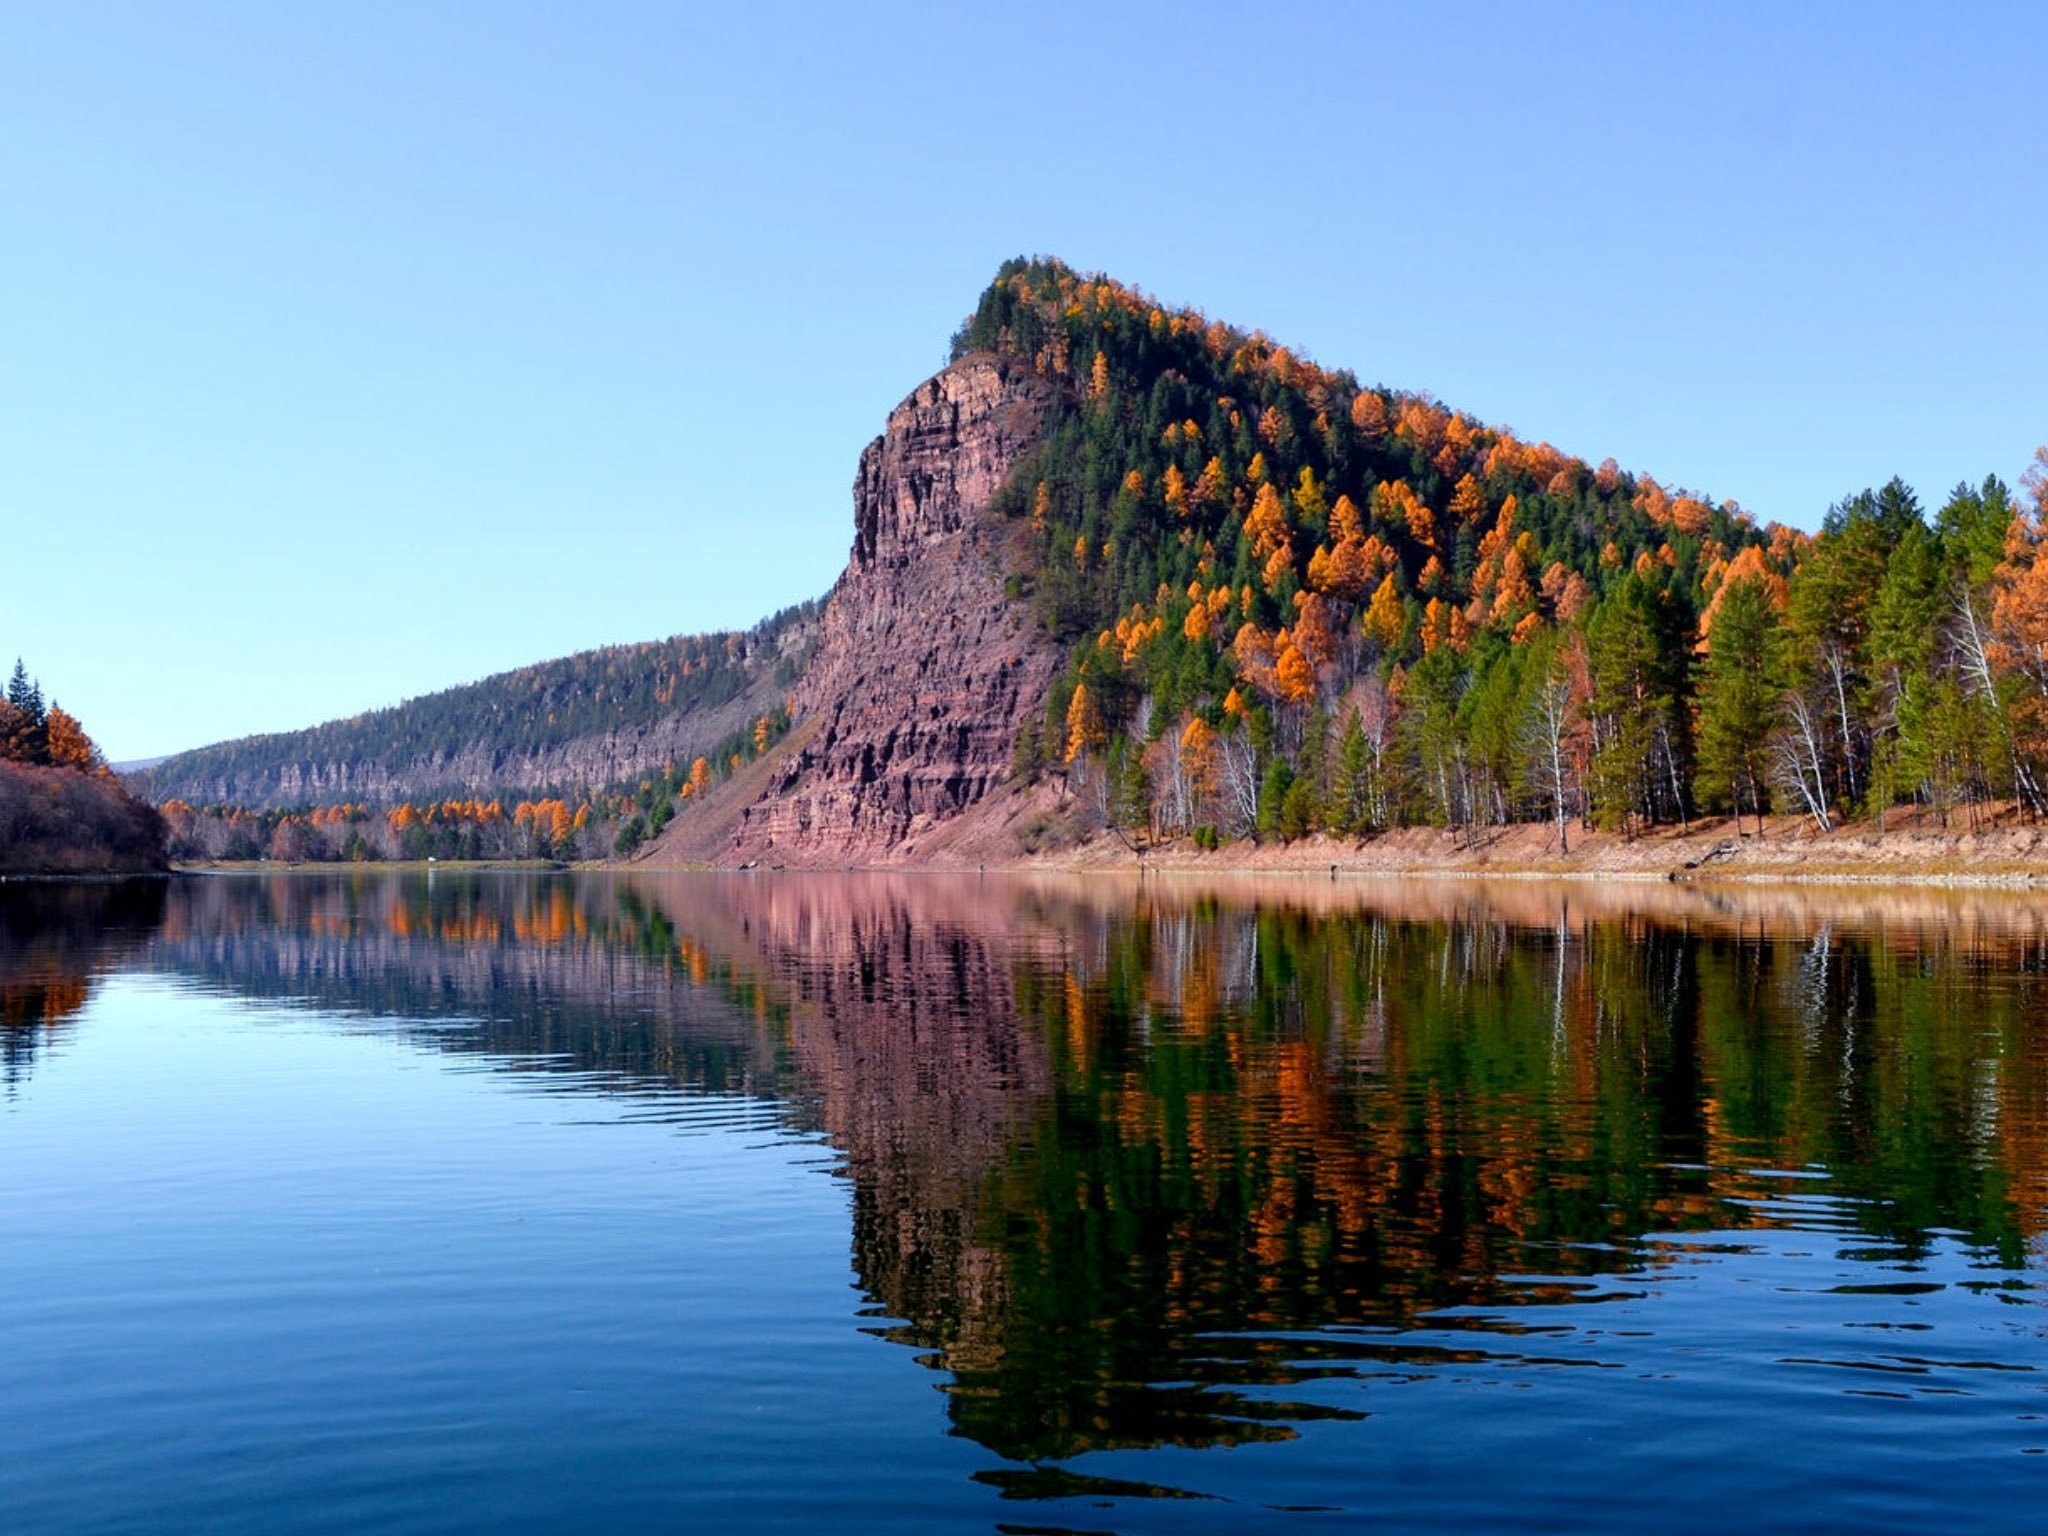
{"x":67,"y":743}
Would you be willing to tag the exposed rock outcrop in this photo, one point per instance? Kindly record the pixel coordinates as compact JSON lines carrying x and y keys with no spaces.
{"x":924,"y":669}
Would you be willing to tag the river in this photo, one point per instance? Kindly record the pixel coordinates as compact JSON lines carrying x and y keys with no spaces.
{"x":474,"y":1201}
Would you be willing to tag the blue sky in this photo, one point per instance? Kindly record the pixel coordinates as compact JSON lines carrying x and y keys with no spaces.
{"x":354,"y":351}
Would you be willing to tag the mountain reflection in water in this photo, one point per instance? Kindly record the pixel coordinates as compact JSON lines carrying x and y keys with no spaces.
{"x":1142,"y":1163}
{"x":1141,"y":1168}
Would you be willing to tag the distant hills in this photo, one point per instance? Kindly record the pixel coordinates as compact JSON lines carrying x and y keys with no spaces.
{"x":575,"y":725}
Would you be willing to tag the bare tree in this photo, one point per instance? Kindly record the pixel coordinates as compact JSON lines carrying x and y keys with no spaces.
{"x":1797,"y":766}
{"x":1546,"y":733}
{"x":1240,"y":781}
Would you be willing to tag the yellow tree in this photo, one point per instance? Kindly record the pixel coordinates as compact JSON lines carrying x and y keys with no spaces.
{"x":1267,"y":525}
{"x":1512,"y":595}
{"x":1315,"y":634}
{"x":1466,"y":501}
{"x":1174,"y":491}
{"x":1311,"y":505}
{"x":1085,"y":730}
{"x":1256,"y":653}
{"x":1386,"y":618}
{"x":1345,"y":521}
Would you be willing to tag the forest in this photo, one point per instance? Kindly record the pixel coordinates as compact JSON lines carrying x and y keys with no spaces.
{"x":1297,"y":604}
{"x":563,"y":825}
{"x":554,"y":706}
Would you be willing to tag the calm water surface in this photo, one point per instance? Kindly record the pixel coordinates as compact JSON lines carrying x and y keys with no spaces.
{"x":491,"y":1202}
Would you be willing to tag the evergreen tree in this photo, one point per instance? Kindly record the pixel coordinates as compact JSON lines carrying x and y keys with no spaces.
{"x":1351,"y":785}
{"x":24,"y":722}
{"x":1630,"y":703}
{"x":1273,"y":788}
{"x":1738,"y":702}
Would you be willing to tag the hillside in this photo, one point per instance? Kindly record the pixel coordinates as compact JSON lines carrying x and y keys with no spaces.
{"x":60,"y":821}
{"x":62,"y":811}
{"x":1139,"y":558}
{"x":577,"y":724}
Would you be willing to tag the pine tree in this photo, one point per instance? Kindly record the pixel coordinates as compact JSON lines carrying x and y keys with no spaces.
{"x":1738,"y":701}
{"x":1351,"y":784}
{"x":24,"y":723}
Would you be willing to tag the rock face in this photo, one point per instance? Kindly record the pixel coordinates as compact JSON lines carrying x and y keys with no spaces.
{"x":923,"y":669}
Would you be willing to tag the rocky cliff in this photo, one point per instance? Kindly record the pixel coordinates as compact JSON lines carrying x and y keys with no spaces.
{"x":909,"y":711}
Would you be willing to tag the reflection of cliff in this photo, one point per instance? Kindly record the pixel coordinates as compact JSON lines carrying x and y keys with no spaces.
{"x":1094,"y":1126}
{"x":55,"y":941}
{"x":1117,"y":1147}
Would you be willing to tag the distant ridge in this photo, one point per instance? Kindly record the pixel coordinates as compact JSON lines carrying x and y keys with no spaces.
{"x":580,"y":722}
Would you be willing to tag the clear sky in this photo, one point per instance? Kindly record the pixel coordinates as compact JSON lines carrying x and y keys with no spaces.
{"x":355,"y":350}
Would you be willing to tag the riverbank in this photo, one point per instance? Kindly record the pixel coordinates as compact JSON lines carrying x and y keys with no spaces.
{"x":1788,"y":849}
{"x":2001,"y":851}
{"x":340,"y":866}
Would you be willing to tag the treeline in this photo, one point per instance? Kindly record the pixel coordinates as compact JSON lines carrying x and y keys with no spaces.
{"x":559,"y":827}
{"x":40,"y":733}
{"x":517,"y":714}
{"x":1302,"y":605}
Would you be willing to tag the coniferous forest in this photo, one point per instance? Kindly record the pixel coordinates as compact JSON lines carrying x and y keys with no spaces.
{"x":1298,"y":604}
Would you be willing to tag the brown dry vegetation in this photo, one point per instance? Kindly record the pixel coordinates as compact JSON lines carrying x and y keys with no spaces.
{"x":58,"y":821}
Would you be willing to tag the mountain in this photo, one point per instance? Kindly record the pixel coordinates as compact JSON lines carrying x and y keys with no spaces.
{"x":1129,"y":555}
{"x":1120,"y":569}
{"x":578,"y":723}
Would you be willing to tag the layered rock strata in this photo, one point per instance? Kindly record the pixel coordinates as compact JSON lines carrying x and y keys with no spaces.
{"x":924,"y":669}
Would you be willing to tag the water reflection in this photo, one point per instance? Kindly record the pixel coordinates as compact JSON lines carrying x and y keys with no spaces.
{"x":56,"y":939}
{"x":1144,"y":1164}
{"x":1111,"y":1142}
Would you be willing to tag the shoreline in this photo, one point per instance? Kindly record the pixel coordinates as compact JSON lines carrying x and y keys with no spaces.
{"x":2000,"y":855}
{"x":2001,"y":851}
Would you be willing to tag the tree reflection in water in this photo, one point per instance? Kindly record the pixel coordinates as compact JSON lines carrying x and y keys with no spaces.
{"x":1136,"y":1163}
